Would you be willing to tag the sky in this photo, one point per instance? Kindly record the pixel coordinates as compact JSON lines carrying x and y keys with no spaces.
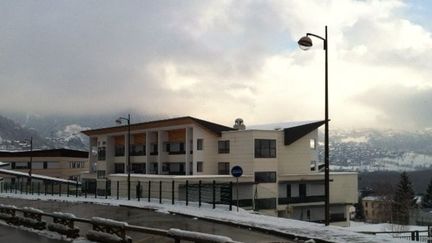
{"x":220,"y":60}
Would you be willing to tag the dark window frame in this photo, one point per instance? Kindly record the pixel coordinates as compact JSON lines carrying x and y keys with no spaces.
{"x":265,"y":148}
{"x":200,"y":144}
{"x":224,"y":146}
{"x":102,"y":153}
{"x":200,"y":166}
{"x":225,"y":170}
{"x":117,"y":169}
{"x":265,"y":177}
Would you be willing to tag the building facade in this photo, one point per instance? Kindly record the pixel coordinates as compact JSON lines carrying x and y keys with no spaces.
{"x":60,"y":163}
{"x":281,"y":174}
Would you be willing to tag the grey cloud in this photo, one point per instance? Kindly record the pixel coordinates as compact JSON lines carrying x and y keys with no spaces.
{"x":401,"y":106}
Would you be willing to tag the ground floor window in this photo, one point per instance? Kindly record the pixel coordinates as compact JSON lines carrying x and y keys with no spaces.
{"x":223,"y":168}
{"x":138,"y":168}
{"x":119,"y":168}
{"x":200,"y":166}
{"x":265,"y":177}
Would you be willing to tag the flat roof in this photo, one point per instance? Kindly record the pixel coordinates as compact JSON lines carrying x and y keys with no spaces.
{"x":45,"y":153}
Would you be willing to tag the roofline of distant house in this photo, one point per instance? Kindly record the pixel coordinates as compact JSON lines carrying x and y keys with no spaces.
{"x":45,"y":153}
{"x":210,"y":126}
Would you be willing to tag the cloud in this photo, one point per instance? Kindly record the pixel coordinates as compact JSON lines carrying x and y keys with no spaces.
{"x":217,"y":60}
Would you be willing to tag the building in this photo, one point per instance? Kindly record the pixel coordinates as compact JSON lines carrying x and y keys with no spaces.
{"x":281,"y":173}
{"x":377,"y":209}
{"x":59,"y":163}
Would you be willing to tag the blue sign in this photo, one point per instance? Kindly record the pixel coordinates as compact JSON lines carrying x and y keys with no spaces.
{"x":236,"y":171}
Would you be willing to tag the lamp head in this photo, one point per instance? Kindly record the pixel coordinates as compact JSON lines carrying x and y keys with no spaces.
{"x":118,"y":121}
{"x":305,"y":43}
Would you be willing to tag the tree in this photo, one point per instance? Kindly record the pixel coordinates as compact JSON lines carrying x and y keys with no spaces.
{"x":403,"y":200}
{"x":427,"y":198}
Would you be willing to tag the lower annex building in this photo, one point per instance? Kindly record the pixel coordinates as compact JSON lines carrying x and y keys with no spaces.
{"x":281,"y":172}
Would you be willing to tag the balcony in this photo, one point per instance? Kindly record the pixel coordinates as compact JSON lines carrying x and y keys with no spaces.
{"x":306,"y":199}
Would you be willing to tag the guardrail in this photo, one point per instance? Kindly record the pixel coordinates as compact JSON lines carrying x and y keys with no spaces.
{"x":103,"y":230}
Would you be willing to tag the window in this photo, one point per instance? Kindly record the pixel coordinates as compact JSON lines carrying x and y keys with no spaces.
{"x":100,"y":174}
{"x":200,"y":166}
{"x":224,"y":147}
{"x":45,"y":164}
{"x":138,"y":150}
{"x":138,"y":168}
{"x":175,"y":148}
{"x":119,"y":150}
{"x":154,"y":149}
{"x":119,"y":168}
{"x":101,"y":153}
{"x":312,"y":143}
{"x":302,"y":190}
{"x":265,"y":148}
{"x":200,"y":144}
{"x":13,"y":165}
{"x":265,"y":177}
{"x":288,"y":191}
{"x":223,"y":168}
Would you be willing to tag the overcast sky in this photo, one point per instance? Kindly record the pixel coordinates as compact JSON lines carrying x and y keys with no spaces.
{"x":219,"y":60}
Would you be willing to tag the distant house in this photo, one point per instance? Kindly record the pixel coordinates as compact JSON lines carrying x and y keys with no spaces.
{"x":59,"y":163}
{"x":281,"y":174}
{"x":377,"y":209}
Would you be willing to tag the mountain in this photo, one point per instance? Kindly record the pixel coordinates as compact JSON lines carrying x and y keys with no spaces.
{"x":380,"y":150}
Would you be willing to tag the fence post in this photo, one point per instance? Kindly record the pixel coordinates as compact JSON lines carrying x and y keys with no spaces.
{"x":172,"y":192}
{"x":67,"y":188}
{"x":417,"y":235}
{"x":138,"y":191}
{"x":46,"y":188}
{"x":38,"y":188}
{"x":31,"y":188}
{"x":26,"y":188}
{"x":187,"y":192}
{"x":52,"y":188}
{"x":412,"y":236}
{"x":60,"y":189}
{"x":160,"y":191}
{"x":106,"y":188}
{"x":149,"y":191}
{"x":118,"y":184}
{"x":230,"y":195}
{"x":21,"y":186}
{"x":214,"y":194}
{"x":199,"y":193}
{"x":76,"y":188}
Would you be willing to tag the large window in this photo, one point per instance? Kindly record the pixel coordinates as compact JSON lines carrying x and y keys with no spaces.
{"x":119,"y":168}
{"x":138,"y":168}
{"x":223,"y":168}
{"x":265,"y":148}
{"x":138,"y":150}
{"x":119,"y":150}
{"x":175,"y":148}
{"x":265,"y":177}
{"x":101,"y":153}
{"x":224,"y":147}
{"x":200,"y":144}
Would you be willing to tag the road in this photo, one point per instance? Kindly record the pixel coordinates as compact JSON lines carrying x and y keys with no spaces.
{"x":9,"y":234}
{"x":145,"y":218}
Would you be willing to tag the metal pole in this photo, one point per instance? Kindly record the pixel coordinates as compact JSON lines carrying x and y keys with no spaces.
{"x":214,"y":194}
{"x":237,"y":194}
{"x":187,"y":192}
{"x":149,"y":191}
{"x":172,"y":192}
{"x":326,"y":139}
{"x":160,"y":191}
{"x":128,"y":157}
{"x":118,"y":184}
{"x":199,"y":193}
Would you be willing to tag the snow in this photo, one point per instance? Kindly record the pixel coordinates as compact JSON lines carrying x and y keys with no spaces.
{"x":35,"y":176}
{"x":32,"y":210}
{"x":184,"y":234}
{"x":295,"y":228}
{"x":64,"y":215}
{"x":103,"y":237}
{"x":109,"y":222}
{"x":366,"y":227}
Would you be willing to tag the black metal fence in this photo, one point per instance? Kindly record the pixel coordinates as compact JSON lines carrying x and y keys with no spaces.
{"x":209,"y":192}
{"x":412,"y":235}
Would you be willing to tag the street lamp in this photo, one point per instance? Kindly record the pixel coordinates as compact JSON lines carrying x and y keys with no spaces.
{"x":305,"y":43}
{"x":119,"y":121}
{"x":31,"y":155}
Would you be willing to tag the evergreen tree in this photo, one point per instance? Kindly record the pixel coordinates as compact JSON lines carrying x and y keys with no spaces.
{"x":403,"y":200}
{"x":427,"y":198}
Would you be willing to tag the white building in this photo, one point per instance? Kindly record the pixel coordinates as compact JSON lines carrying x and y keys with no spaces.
{"x":280,"y":163}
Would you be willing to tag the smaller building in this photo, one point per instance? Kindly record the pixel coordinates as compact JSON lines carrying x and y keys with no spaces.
{"x":377,"y":209}
{"x":59,"y":163}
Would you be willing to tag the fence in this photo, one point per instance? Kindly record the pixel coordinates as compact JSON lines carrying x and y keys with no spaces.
{"x":64,"y":224}
{"x":413,"y":235}
{"x":211,"y":193}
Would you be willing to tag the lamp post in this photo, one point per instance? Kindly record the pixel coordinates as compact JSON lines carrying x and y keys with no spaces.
{"x":31,"y":155}
{"x":305,"y":43}
{"x":119,"y":121}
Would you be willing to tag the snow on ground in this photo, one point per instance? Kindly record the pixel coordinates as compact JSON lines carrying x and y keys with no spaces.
{"x":35,"y":176}
{"x":365,"y":227}
{"x":288,"y":226}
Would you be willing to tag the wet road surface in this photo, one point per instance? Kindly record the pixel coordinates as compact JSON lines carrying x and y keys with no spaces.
{"x":144,"y":217}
